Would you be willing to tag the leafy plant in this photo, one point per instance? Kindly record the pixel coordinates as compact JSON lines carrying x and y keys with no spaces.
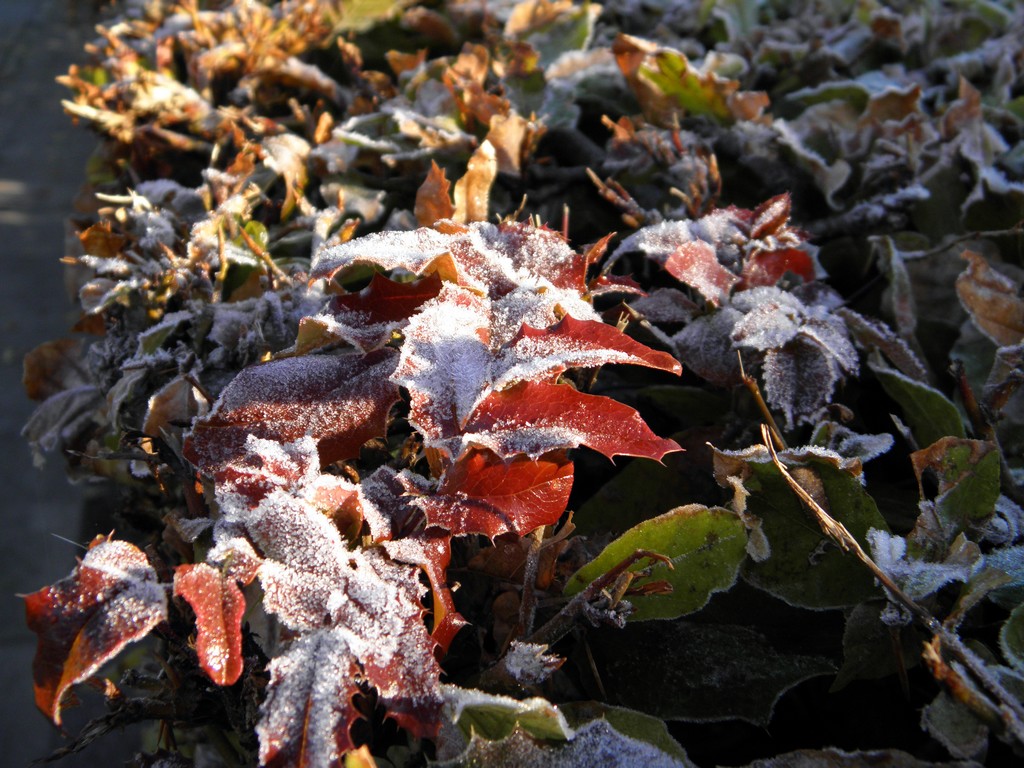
{"x":421,"y":461}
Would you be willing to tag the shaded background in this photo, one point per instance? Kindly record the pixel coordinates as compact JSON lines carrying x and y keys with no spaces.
{"x":42,"y":165}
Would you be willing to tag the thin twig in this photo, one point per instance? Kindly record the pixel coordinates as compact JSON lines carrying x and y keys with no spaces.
{"x":1011,"y":711}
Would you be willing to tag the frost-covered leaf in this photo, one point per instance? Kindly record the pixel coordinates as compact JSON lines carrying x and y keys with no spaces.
{"x":1011,"y":638}
{"x":368,"y":318}
{"x":494,"y":717}
{"x":805,"y":349}
{"x":805,"y":568}
{"x":707,"y":347}
{"x":967,"y":472}
{"x":706,"y":547}
{"x":306,"y":717}
{"x":341,"y":401}
{"x":594,"y":744}
{"x":218,"y":604}
{"x":431,"y":550}
{"x":535,"y":418}
{"x":628,"y":722}
{"x":849,"y":444}
{"x":918,"y":578}
{"x":954,"y":726}
{"x":873,"y":334}
{"x":358,"y":614}
{"x":544,"y":353}
{"x":84,"y":620}
{"x":992,"y":300}
{"x":483,"y":493}
{"x":695,"y":264}
{"x":489,"y":259}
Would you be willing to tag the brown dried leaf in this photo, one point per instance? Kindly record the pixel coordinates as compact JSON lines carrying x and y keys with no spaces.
{"x":473,"y":191}
{"x":432,"y":198}
{"x":992,"y":300}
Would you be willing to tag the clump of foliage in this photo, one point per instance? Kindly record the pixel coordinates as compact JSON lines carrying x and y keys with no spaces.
{"x":373,"y":293}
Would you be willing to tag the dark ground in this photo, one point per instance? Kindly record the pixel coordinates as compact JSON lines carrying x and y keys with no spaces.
{"x":42,"y":164}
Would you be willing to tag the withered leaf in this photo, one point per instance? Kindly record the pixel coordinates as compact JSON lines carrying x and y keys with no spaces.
{"x":112,"y":598}
{"x":992,"y":300}
{"x":432,"y":198}
{"x":473,"y":190}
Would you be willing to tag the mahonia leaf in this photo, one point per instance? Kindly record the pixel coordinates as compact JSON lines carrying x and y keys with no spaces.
{"x":806,"y":350}
{"x":111,"y":599}
{"x":431,"y":550}
{"x":706,"y":547}
{"x":460,"y":352}
{"x":218,"y":604}
{"x":544,"y":353}
{"x":696,"y":264}
{"x":342,"y":401}
{"x":487,"y":258}
{"x":535,"y":418}
{"x":306,"y":717}
{"x":483,"y":493}
{"x":357,"y":613}
{"x":727,"y":248}
{"x":368,"y":318}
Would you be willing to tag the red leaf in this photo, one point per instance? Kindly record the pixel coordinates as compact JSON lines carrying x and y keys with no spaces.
{"x":111,"y":599}
{"x":768,"y":267}
{"x":368,"y":317}
{"x":431,"y":550}
{"x":536,"y":354}
{"x":483,"y":493}
{"x":770,"y":217}
{"x":341,"y":401}
{"x":696,"y":264}
{"x":534,"y":418}
{"x":306,"y":717}
{"x":218,"y":604}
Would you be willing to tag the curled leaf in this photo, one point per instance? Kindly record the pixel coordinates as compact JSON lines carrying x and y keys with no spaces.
{"x":84,"y":620}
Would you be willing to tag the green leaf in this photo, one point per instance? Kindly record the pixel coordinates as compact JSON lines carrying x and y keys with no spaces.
{"x":628,"y":722}
{"x":1009,"y":560}
{"x":496,"y":717}
{"x":967,"y":472}
{"x":706,"y":546}
{"x":868,"y":647}
{"x":1011,"y":638}
{"x":682,"y":670}
{"x":805,"y":569}
{"x":954,"y":726}
{"x":929,"y":413}
{"x":595,"y":744}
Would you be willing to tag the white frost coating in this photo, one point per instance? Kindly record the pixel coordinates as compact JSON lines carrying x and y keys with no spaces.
{"x":306,"y":700}
{"x":445,"y":357}
{"x":657,"y":241}
{"x":916,"y":578}
{"x":529,"y":664}
{"x":457,"y":700}
{"x":412,"y":251}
